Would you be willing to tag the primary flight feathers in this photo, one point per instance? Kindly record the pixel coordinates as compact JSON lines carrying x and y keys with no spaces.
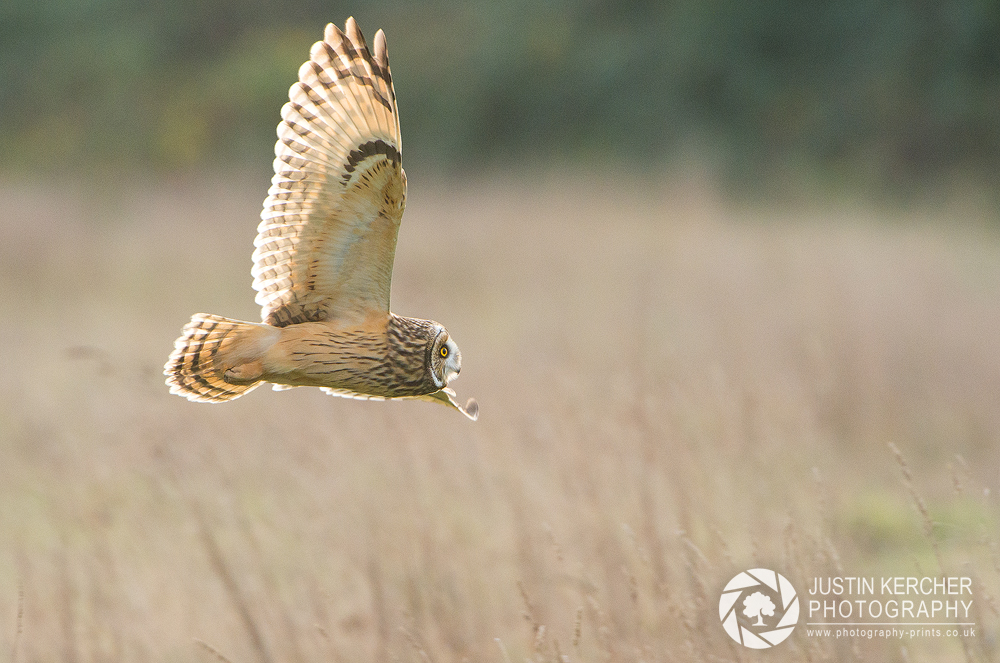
{"x":327,"y":237}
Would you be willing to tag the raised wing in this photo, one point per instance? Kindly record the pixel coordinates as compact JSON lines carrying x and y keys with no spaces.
{"x":327,"y":237}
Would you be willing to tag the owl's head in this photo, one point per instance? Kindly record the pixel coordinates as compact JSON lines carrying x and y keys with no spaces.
{"x":445,"y":361}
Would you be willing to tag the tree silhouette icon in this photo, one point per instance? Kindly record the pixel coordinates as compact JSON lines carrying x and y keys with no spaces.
{"x":757,"y":604}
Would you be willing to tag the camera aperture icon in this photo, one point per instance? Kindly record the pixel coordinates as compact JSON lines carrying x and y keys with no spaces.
{"x":767,"y":603}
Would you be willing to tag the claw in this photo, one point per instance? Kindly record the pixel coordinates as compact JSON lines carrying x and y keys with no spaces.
{"x":446,"y":396}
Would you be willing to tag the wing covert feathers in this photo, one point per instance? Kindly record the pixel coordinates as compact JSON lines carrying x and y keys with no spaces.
{"x":327,"y":237}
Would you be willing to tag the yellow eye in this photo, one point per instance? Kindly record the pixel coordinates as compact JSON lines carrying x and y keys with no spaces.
{"x":444,"y":350}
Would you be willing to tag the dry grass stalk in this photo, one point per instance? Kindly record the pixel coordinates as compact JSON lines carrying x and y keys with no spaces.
{"x":383,"y":627}
{"x":956,"y":481}
{"x":239,"y":601}
{"x":529,"y":612}
{"x":539,"y":641}
{"x":560,"y":657}
{"x":603,"y":630}
{"x":577,"y":629}
{"x":538,"y":629}
{"x":503,"y":650}
{"x":556,"y":548}
{"x":331,"y":649}
{"x":925,"y":515}
{"x":720,"y":540}
{"x":697,"y":566}
{"x":633,"y":586}
{"x":212,"y":650}
{"x":19,"y":624}
{"x":416,"y":643}
{"x":67,"y":609}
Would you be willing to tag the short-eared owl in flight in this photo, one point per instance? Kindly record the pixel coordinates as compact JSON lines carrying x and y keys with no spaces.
{"x":324,"y":253}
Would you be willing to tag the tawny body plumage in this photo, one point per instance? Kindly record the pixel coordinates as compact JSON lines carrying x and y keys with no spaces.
{"x":324,"y":253}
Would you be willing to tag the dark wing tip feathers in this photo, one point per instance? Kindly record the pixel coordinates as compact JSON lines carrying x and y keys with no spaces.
{"x":350,"y":44}
{"x":381,"y":52}
{"x":355,"y":34}
{"x":332,"y":34}
{"x":351,"y":38}
{"x":354,"y":42}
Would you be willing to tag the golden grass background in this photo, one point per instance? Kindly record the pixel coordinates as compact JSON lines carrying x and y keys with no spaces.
{"x":673,"y":389}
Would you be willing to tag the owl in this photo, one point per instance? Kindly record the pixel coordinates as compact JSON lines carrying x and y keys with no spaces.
{"x":324,"y":252}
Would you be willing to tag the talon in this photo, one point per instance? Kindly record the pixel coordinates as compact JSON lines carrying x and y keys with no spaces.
{"x":472,"y":409}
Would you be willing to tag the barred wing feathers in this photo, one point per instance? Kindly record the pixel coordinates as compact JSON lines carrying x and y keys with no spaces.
{"x":327,"y":237}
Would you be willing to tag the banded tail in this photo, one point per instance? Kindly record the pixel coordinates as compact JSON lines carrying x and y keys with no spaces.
{"x":210,"y":350}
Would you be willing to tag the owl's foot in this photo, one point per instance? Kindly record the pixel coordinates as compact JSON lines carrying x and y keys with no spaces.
{"x":446,"y":396}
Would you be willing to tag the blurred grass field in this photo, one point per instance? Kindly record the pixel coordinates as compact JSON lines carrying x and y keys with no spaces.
{"x":673,"y":389}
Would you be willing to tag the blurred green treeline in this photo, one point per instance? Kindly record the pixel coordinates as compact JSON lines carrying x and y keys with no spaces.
{"x":870,"y":93}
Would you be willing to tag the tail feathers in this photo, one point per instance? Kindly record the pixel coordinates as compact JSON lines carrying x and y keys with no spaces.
{"x":211,"y":346}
